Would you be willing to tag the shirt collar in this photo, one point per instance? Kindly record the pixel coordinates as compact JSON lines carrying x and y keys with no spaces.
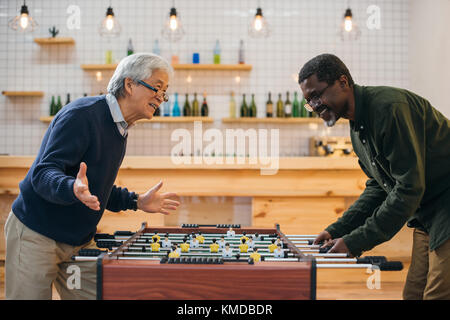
{"x":358,"y":124}
{"x":116,"y":114}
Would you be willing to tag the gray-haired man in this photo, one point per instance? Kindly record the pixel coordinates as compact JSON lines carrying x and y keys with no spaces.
{"x":57,"y":210}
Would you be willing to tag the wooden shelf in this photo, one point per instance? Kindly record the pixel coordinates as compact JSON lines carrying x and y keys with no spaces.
{"x":273,"y":120}
{"x":223,"y":67}
{"x":57,"y":40}
{"x":23,"y":93}
{"x":98,"y":67}
{"x":49,"y":119}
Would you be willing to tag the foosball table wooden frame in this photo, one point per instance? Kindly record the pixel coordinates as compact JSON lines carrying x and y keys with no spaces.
{"x":132,"y":270}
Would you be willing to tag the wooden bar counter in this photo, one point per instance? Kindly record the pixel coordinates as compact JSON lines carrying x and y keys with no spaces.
{"x":304,"y":196}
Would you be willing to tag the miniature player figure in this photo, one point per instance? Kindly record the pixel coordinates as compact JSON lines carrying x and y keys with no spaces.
{"x":166,"y":243}
{"x":255,"y":255}
{"x":278,"y":252}
{"x":222,"y":242}
{"x":192,"y":236}
{"x":194,"y":243}
{"x":256,"y":237}
{"x":230,"y":232}
{"x":278,"y":241}
{"x":250,"y":243}
{"x":244,"y":236}
{"x":174,"y":253}
{"x":272,"y":246}
{"x":200,"y":238}
{"x":155,"y":245}
{"x":184,"y":246}
{"x":158,"y":238}
{"x":227,"y":252}
{"x":243,"y":247}
{"x":214,"y":247}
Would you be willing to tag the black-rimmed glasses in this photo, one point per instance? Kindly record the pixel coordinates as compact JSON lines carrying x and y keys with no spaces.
{"x":159,"y":92}
{"x":315,"y":101}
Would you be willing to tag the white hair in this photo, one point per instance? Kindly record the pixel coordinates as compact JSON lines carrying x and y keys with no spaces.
{"x":138,"y":66}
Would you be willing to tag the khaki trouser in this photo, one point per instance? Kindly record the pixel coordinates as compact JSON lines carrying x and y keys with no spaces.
{"x":35,"y":262}
{"x":429,"y":273}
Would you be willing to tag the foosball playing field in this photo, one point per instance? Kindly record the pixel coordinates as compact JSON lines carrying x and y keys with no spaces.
{"x":214,"y":262}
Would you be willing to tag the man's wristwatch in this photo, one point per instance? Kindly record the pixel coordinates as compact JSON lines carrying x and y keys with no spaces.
{"x":135,"y":201}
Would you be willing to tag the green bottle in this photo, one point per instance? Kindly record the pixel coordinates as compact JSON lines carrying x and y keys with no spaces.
{"x":58,"y":105}
{"x":217,"y":53}
{"x":269,"y":107}
{"x":232,"y":106}
{"x":130,"y":49}
{"x":296,"y":106}
{"x":303,"y":111}
{"x":195,"y":109}
{"x":187,"y":107}
{"x":280,"y":107}
{"x":244,"y":108}
{"x":52,"y":107}
{"x":252,"y":109}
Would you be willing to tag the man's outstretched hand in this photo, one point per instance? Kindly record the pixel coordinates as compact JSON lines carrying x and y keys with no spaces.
{"x":81,"y":189}
{"x":154,"y":202}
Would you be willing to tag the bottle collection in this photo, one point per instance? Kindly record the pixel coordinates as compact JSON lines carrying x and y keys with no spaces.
{"x":190,"y":109}
{"x":56,"y":104}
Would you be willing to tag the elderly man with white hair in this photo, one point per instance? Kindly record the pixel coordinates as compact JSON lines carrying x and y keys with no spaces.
{"x":71,"y":183}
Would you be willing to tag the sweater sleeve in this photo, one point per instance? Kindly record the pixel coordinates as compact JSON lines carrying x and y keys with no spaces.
{"x":371,"y":198}
{"x":67,"y":142}
{"x":120,"y":199}
{"x":403,"y":142}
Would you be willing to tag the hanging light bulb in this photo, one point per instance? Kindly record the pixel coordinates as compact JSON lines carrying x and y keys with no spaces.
{"x":110,"y":27}
{"x":173,"y":28}
{"x":349,"y":29}
{"x":23,"y":22}
{"x":259,"y":27}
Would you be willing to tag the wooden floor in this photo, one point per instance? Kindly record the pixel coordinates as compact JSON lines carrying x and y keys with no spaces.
{"x":334,"y":284}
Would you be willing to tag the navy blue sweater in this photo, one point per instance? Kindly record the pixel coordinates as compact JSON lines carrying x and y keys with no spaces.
{"x":83,"y":131}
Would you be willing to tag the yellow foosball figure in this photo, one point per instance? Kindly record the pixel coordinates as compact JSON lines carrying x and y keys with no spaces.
{"x":184,"y":246}
{"x":158,"y":238}
{"x":200,"y":238}
{"x":174,"y":253}
{"x":155,"y":245}
{"x":244,"y":236}
{"x":272,"y":246}
{"x":214,"y":247}
{"x":255,"y":255}
{"x":243,"y":247}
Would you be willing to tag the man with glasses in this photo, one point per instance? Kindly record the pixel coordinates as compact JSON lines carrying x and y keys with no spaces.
{"x":58,"y":209}
{"x":403,"y":146}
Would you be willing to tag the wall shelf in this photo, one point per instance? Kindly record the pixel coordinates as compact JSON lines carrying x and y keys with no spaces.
{"x":57,"y":40}
{"x":48,"y":119}
{"x":223,"y":67}
{"x":23,"y":93}
{"x":275,"y":120}
{"x":98,"y":67}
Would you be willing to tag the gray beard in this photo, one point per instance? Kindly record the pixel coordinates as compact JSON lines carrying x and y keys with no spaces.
{"x":332,"y":120}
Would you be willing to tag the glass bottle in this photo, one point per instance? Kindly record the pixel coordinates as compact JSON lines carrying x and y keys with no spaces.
{"x":232,"y":106}
{"x":296,"y":106}
{"x":241,"y":52}
{"x":52,"y":106}
{"x":58,"y":105}
{"x":287,"y":107}
{"x":269,"y":107}
{"x":130,"y":49}
{"x":217,"y":53}
{"x":244,"y":108}
{"x":280,"y":107}
{"x":252,"y":109}
{"x":176,"y":108}
{"x":205,"y":109}
{"x":195,"y":109}
{"x":187,"y":107}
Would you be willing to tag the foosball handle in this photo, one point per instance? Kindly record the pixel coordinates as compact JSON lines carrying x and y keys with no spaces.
{"x":371,"y":260}
{"x":391,"y":266}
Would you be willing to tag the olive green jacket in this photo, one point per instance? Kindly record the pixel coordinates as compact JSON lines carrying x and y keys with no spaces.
{"x":403,"y":146}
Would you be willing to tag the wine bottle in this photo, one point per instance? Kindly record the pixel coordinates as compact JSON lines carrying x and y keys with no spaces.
{"x":252,"y":109}
{"x":244,"y":108}
{"x":176,"y":108}
{"x":241,"y":52}
{"x":280,"y":107}
{"x":130,"y":49}
{"x":156,"y":49}
{"x":217,"y":53}
{"x":295,"y":106}
{"x":269,"y":107}
{"x":205,"y":110}
{"x":166,"y":109}
{"x":52,"y":106}
{"x":58,"y":105}
{"x":303,"y":111}
{"x":187,"y":107}
{"x":68,"y":99}
{"x":287,"y":107}
{"x":232,"y":106}
{"x":195,"y":109}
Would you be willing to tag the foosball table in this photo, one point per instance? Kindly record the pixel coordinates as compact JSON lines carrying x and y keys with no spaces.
{"x":134,"y":265}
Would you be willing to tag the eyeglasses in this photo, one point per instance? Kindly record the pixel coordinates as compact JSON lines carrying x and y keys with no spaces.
{"x":315,"y":101}
{"x":159,"y":92}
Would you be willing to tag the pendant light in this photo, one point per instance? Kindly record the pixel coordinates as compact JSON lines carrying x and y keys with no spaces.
{"x":110,"y":27}
{"x":259,"y":27}
{"x":349,"y":29}
{"x":173,"y":28}
{"x":23,"y":22}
